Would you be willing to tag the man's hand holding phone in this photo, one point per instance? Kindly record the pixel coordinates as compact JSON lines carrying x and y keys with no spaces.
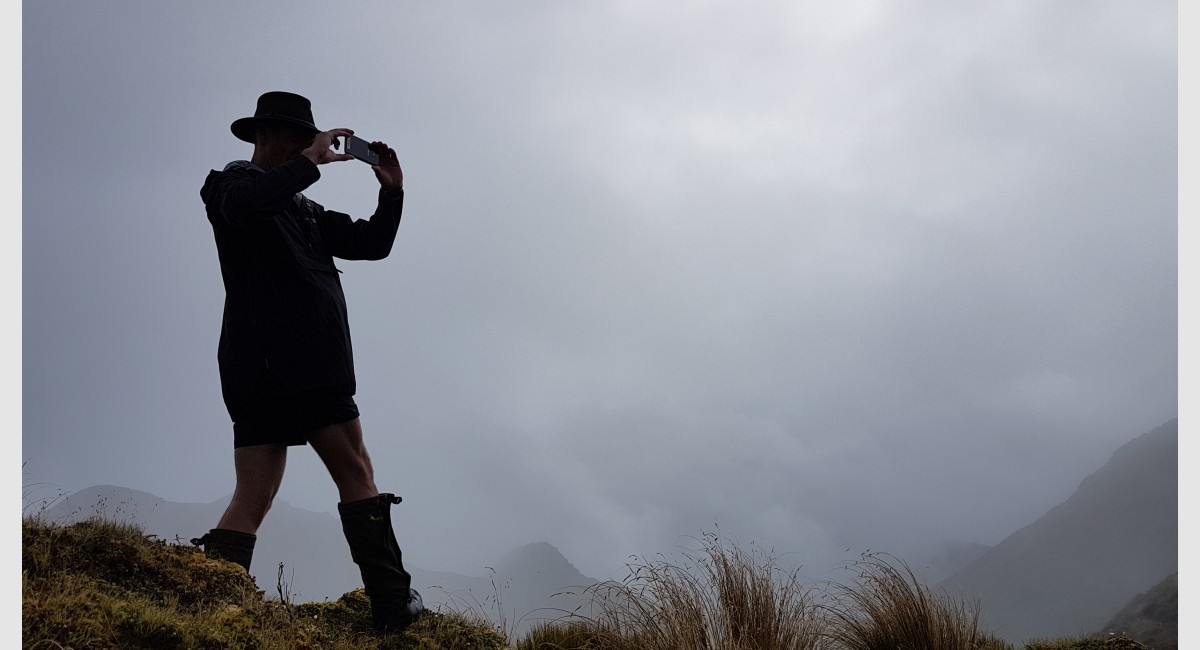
{"x":320,"y":152}
{"x":388,"y":171}
{"x":378,"y":155}
{"x":381,"y":158}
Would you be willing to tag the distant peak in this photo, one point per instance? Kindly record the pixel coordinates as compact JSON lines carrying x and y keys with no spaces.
{"x":537,"y":547}
{"x":113,"y":490}
{"x":540,"y":551}
{"x":538,"y":558}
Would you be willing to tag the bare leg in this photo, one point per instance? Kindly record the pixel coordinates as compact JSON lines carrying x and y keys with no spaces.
{"x":341,"y":448}
{"x":367,"y":524}
{"x":259,"y":471}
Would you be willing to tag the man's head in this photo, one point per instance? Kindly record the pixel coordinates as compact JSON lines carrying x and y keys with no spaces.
{"x":277,"y":109}
{"x":280,"y":140}
{"x":282,"y":127}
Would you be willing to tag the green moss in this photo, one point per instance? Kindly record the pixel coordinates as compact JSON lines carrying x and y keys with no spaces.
{"x":120,"y":555}
{"x":435,"y":631}
{"x":101,"y":585}
{"x":349,"y":614}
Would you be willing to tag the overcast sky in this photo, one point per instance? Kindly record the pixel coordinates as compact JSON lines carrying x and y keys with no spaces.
{"x":825,"y":275}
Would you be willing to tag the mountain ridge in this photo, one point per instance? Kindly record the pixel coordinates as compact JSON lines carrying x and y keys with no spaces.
{"x":1070,"y":571}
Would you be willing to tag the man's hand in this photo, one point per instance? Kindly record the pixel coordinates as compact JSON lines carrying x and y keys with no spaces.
{"x":388,"y":171}
{"x":319,"y":151}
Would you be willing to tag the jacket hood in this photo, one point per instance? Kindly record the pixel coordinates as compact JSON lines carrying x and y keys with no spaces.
{"x":243,"y":164}
{"x":206,"y":189}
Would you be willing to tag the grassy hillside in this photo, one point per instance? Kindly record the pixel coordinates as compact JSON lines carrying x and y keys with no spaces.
{"x":99,"y":584}
{"x":1152,"y":617}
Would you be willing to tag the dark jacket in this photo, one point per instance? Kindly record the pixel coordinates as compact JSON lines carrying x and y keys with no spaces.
{"x":285,"y":333}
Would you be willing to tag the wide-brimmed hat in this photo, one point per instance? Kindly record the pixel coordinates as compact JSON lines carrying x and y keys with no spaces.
{"x":277,"y":106}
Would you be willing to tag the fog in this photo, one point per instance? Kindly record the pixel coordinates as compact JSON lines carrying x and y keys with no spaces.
{"x":822,"y":277}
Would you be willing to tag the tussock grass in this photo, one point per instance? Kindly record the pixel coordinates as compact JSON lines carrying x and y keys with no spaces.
{"x":563,"y":635}
{"x":884,"y":607}
{"x":727,"y":598}
{"x":720,"y":597}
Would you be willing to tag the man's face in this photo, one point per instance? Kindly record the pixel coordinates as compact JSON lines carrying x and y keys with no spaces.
{"x":285,"y":140}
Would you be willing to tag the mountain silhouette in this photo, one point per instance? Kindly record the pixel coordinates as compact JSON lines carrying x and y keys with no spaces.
{"x":540,"y":559}
{"x":1072,"y":570}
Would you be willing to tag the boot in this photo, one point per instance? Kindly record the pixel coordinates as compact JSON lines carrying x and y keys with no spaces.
{"x":368,"y":527}
{"x":237,"y":547}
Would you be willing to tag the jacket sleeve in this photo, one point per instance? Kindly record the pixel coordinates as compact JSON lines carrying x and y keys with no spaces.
{"x":363,"y":239}
{"x":237,"y":197}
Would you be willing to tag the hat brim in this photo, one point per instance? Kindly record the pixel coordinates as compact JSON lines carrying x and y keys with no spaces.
{"x":243,"y":129}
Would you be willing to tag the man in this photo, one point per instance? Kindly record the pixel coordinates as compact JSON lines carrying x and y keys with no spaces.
{"x":285,"y":359}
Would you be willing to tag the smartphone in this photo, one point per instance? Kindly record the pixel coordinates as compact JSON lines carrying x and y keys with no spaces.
{"x":361,"y":149}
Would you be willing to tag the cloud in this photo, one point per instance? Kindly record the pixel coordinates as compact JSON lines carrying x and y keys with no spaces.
{"x":824,"y":276}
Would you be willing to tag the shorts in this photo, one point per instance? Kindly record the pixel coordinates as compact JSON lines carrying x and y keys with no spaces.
{"x":291,"y":422}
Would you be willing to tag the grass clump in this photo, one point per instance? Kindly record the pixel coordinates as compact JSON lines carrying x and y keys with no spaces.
{"x":884,"y":607}
{"x":563,"y":635}
{"x":100,"y":584}
{"x":726,"y":598}
{"x":717,"y":598}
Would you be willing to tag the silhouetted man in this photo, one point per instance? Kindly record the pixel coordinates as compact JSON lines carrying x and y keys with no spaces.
{"x":286,"y":363}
